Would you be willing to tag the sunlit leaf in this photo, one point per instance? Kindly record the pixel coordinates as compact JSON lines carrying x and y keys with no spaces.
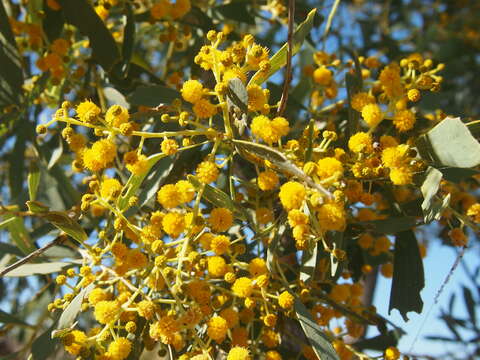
{"x":429,"y":189}
{"x":309,"y":263}
{"x":38,"y":269}
{"x":33,"y":181}
{"x":70,"y":313}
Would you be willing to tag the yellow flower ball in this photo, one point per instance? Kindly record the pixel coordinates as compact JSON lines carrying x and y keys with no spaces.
{"x":207,"y":172}
{"x":267,"y":180}
{"x":116,"y":115}
{"x":173,"y":224}
{"x":110,"y":189}
{"x":119,"y":349}
{"x":238,"y":353}
{"x":322,"y":76}
{"x":87,"y":111}
{"x":292,"y":194}
{"x":169,"y":146}
{"x":106,"y":311}
{"x":168,"y":196}
{"x":372,"y":114}
{"x":217,"y":328}
{"x":286,"y":300}
{"x":220,"y":244}
{"x":257,"y":267}
{"x":332,"y":216}
{"x":192,"y":91}
{"x":401,"y":175}
{"x":217,"y":267}
{"x":185,"y":190}
{"x":361,"y":142}
{"x":256,"y":97}
{"x":404,"y":120}
{"x":359,"y":100}
{"x":242,"y":287}
{"x":329,"y":168}
{"x":204,"y":109}
{"x":221,"y":219}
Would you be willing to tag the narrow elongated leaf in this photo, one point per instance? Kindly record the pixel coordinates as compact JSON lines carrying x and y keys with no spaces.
{"x":115,"y":97}
{"x":151,"y":184}
{"x":62,"y":221}
{"x":309,"y":263}
{"x":19,"y":235}
{"x":218,"y":198}
{"x":392,"y":225}
{"x":457,"y":174}
{"x":463,"y":149}
{"x":128,"y":38}
{"x":408,"y":276}
{"x":44,"y":346}
{"x":9,"y":249}
{"x":470,"y":304}
{"x":81,"y":14}
{"x":70,"y":313}
{"x":320,"y":343}
{"x":33,"y":181}
{"x":6,"y":318}
{"x":237,"y":11}
{"x":134,"y":182}
{"x":380,"y":342}
{"x":56,"y":154}
{"x":279,"y":60}
{"x":153,"y":95}
{"x":429,"y":189}
{"x":38,"y":269}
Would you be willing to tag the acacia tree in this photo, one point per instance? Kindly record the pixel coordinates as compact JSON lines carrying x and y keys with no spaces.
{"x":203,"y":180}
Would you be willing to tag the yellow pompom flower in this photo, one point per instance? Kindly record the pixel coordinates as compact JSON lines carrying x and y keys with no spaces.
{"x":297,"y":217}
{"x":192,"y":91}
{"x":267,"y":180}
{"x":100,"y":155}
{"x":207,"y":172}
{"x":359,"y":100}
{"x":372,"y":114}
{"x":168,"y":196}
{"x":332,"y":216}
{"x":260,"y":124}
{"x":286,"y":300}
{"x":292,"y":194}
{"x":401,"y":175}
{"x":160,"y":9}
{"x":185,"y":190}
{"x":173,"y":224}
{"x":329,"y":167}
{"x":390,"y":79}
{"x":361,"y":142}
{"x":110,"y":189}
{"x":180,"y":8}
{"x":221,"y":219}
{"x":220,"y":244}
{"x":280,"y":126}
{"x":217,"y":328}
{"x":242,"y":287}
{"x":203,"y":109}
{"x":238,"y":353}
{"x":474,"y":211}
{"x":116,"y":115}
{"x":257,"y":267}
{"x":74,"y":342}
{"x":272,"y":355}
{"x":231,"y":316}
{"x":136,"y":259}
{"x":169,"y":146}
{"x":119,"y":349}
{"x":392,"y":353}
{"x":139,"y":166}
{"x":322,"y":76}
{"x":97,"y":295}
{"x":404,"y":120}
{"x":76,"y":142}
{"x":106,"y":311}
{"x":256,"y":97}
{"x":395,"y":156}
{"x":146,"y":309}
{"x":87,"y":111}
{"x":217,"y":267}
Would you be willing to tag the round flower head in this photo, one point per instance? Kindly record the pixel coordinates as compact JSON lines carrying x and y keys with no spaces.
{"x":361,"y":142}
{"x":404,"y":120}
{"x":359,"y":100}
{"x":116,"y":115}
{"x":87,"y":111}
{"x":169,"y":146}
{"x":217,"y":266}
{"x":168,"y":196}
{"x":238,"y":353}
{"x":257,"y":267}
{"x":192,"y":91}
{"x":256,"y":98}
{"x":372,"y":114}
{"x":292,"y":194}
{"x":286,"y":300}
{"x":106,"y":311}
{"x":204,"y":109}
{"x":332,"y":216}
{"x":173,"y":224}
{"x":267,"y":180}
{"x":329,"y":168}
{"x":110,"y":189}
{"x":185,"y":190}
{"x":322,"y":76}
{"x":242,"y":287}
{"x":100,"y":155}
{"x":217,"y":328}
{"x":119,"y":349}
{"x":221,"y":219}
{"x":74,"y":342}
{"x":220,"y":244}
{"x":401,"y":175}
{"x":207,"y":172}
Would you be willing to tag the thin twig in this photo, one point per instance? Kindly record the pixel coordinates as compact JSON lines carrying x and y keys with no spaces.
{"x":288,"y":71}
{"x":32,"y":255}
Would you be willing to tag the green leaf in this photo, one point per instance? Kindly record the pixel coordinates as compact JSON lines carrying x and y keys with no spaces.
{"x":38,"y":269}
{"x":17,"y":164}
{"x":237,"y":10}
{"x":114,"y":96}
{"x":153,"y":95}
{"x":408,"y":276}
{"x":470,"y":304}
{"x":279,"y":60}
{"x":457,"y":174}
{"x":337,"y":240}
{"x":450,"y":143}
{"x":134,"y":182}
{"x":44,"y":346}
{"x":62,"y":221}
{"x":128,"y":38}
{"x":318,"y":340}
{"x":380,"y":342}
{"x":218,"y":198}
{"x":9,"y":249}
{"x":19,"y":234}
{"x":309,"y":263}
{"x":37,"y":207}
{"x":11,"y":74}
{"x":391,"y":225}
{"x":56,"y":154}
{"x":429,"y":189}
{"x":52,"y":23}
{"x":33,"y":181}
{"x":81,"y":14}
{"x":6,"y":318}
{"x":70,"y":313}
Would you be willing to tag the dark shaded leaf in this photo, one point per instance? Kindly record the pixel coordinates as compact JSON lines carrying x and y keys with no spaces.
{"x":128,"y":38}
{"x":44,"y":346}
{"x":9,"y":249}
{"x":279,"y":60}
{"x":153,"y":95}
{"x":408,"y":276}
{"x":53,"y":22}
{"x":81,"y":14}
{"x":458,"y":174}
{"x":380,"y":342}
{"x":33,"y":181}
{"x":470,"y":304}
{"x":318,"y":340}
{"x":237,"y":11}
{"x":19,"y":235}
{"x":392,"y":225}
{"x":17,"y":165}
{"x":6,"y":318}
{"x":56,"y":154}
{"x":11,"y":75}
{"x":62,"y":221}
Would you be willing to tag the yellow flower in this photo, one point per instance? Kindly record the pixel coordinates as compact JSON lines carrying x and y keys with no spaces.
{"x":217,"y":328}
{"x":139,"y":166}
{"x":257,"y":267}
{"x":221,"y":219}
{"x":220,"y":244}
{"x":256,"y":97}
{"x":390,"y":79}
{"x":106,"y":311}
{"x":267,"y":180}
{"x":359,"y":100}
{"x":332,"y":216}
{"x":74,"y":342}
{"x":231,"y":316}
{"x":160,"y":9}
{"x":146,"y":309}
{"x":372,"y":114}
{"x":76,"y":142}
{"x":100,"y":155}
{"x":192,"y":91}
{"x":116,"y":115}
{"x":322,"y":76}
{"x":207,"y":172}
{"x":242,"y":287}
{"x":119,"y":349}
{"x":173,"y":224}
{"x":340,"y":292}
{"x":297,"y":217}
{"x":87,"y":111}
{"x":110,"y":189}
{"x":180,"y":8}
{"x":217,"y":266}
{"x":404,"y":120}
{"x":97,"y":295}
{"x":168,"y":196}
{"x":164,"y":329}
{"x":401,"y":175}
{"x":286,"y":300}
{"x":329,"y":167}
{"x":169,"y":146}
{"x":361,"y":142}
{"x":273,"y":355}
{"x":203,"y":109}
{"x":474,"y":211}
{"x":395,"y":156}
{"x":238,"y":353}
{"x":136,"y":259}
{"x":292,"y":194}
{"x":392,"y":353}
